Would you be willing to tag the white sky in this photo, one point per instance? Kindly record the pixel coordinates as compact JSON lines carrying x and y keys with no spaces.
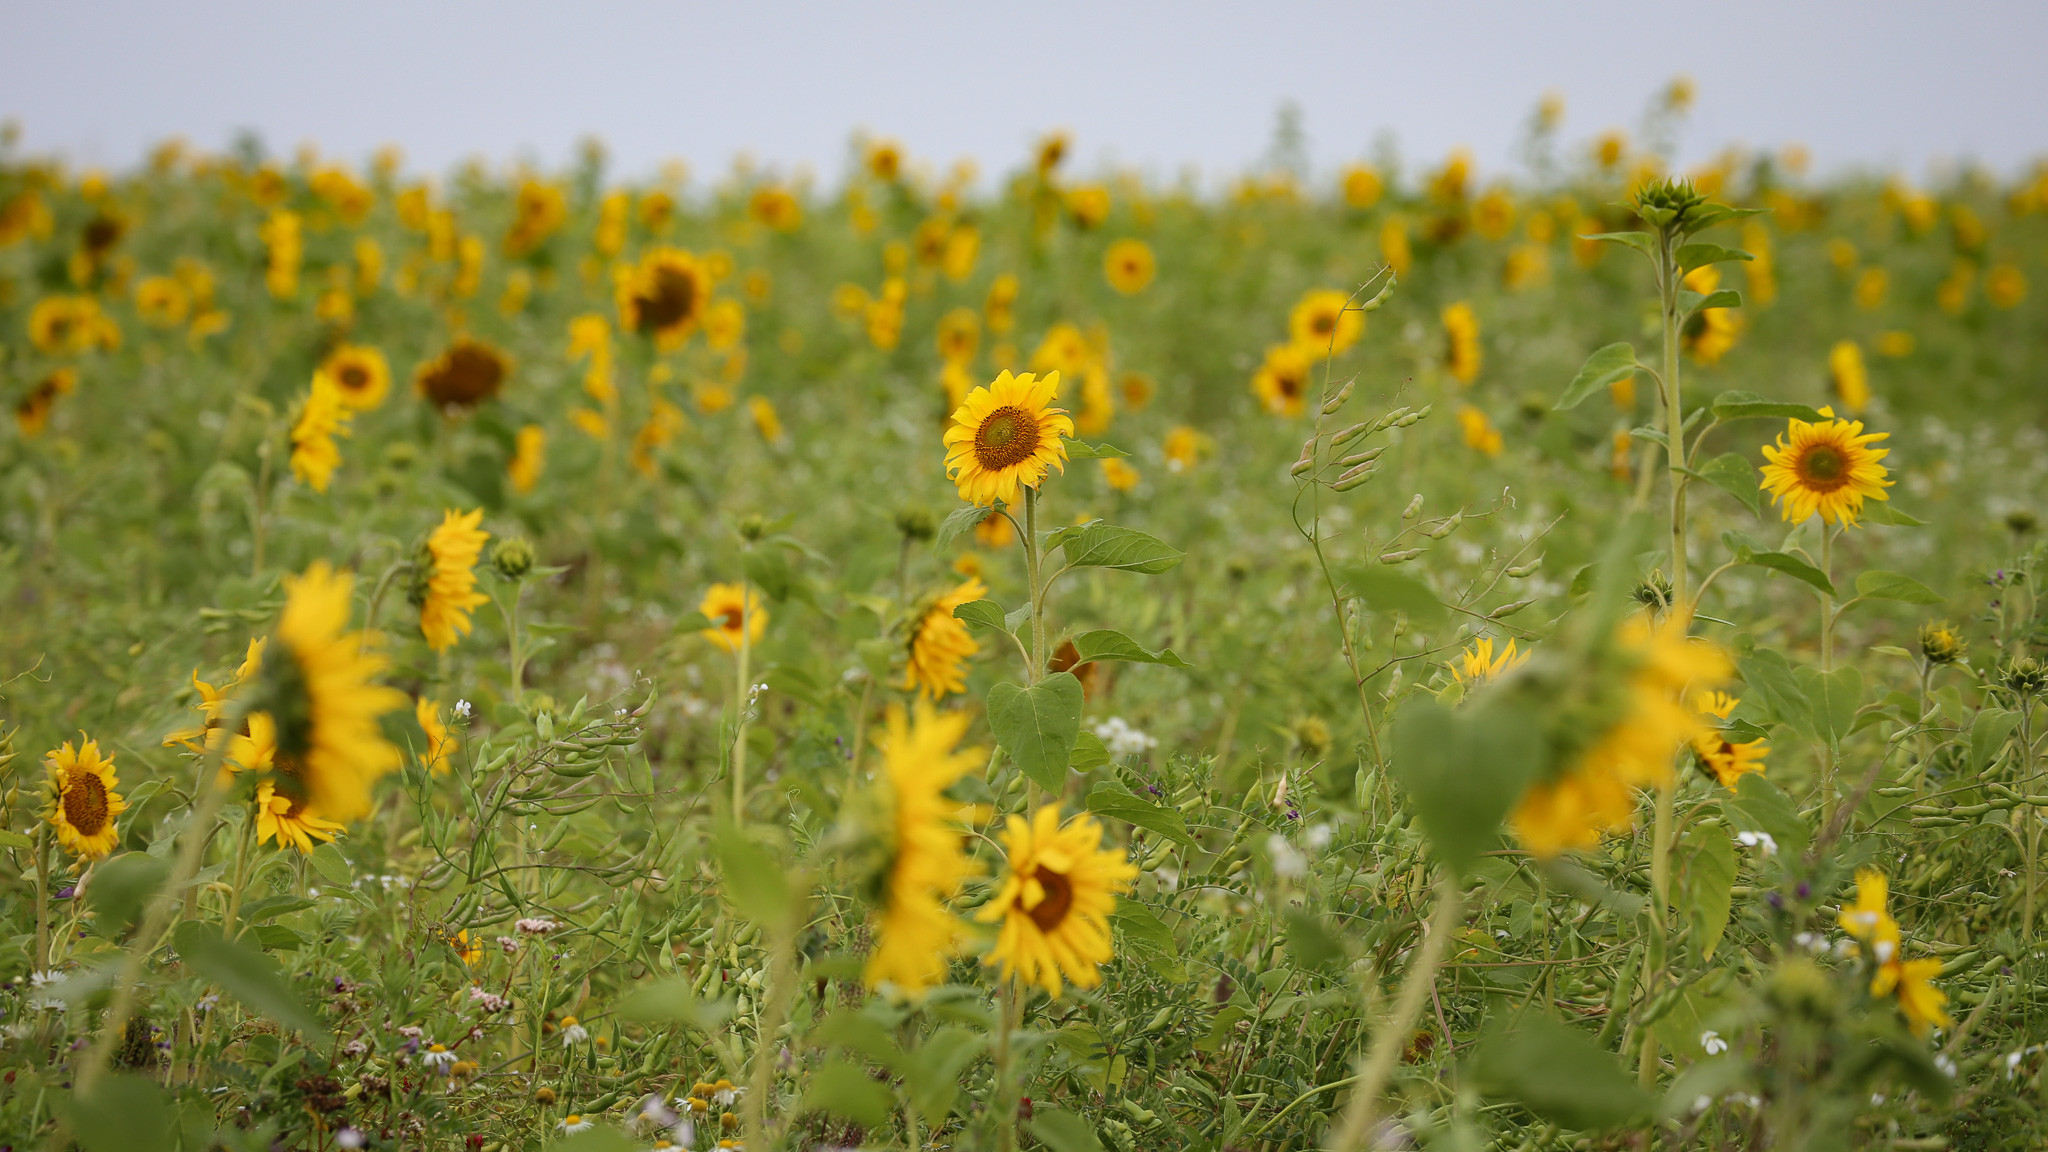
{"x":1877,"y":83}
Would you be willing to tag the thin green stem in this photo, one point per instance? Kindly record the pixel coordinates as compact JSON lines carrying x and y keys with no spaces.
{"x":1391,"y":1037}
{"x":1034,"y":568}
{"x":741,"y":693}
{"x":1668,"y":281}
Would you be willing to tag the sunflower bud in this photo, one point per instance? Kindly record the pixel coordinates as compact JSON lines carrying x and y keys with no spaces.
{"x":544,"y":1095}
{"x":2021,"y":521}
{"x":916,"y":523}
{"x":1668,"y":202}
{"x":752,"y":528}
{"x":1940,"y":643}
{"x":1654,"y":590}
{"x":512,"y":558}
{"x":2024,"y":676}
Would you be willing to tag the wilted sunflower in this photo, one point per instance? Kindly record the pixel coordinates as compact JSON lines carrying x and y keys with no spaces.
{"x":1129,"y":265}
{"x":1595,"y":790}
{"x":444,"y":578}
{"x":441,"y":743}
{"x":1478,"y":663}
{"x":324,"y":417}
{"x":1007,"y":435}
{"x":32,"y":411}
{"x":360,"y":375}
{"x":83,"y":802}
{"x":1321,"y":323}
{"x":284,"y":815}
{"x":664,"y":296}
{"x":1053,"y":906}
{"x":1826,"y":467}
{"x":940,"y":645}
{"x":1728,"y":761}
{"x":920,"y":834}
{"x":468,"y":373}
{"x":320,"y":689}
{"x":726,"y":606}
{"x":1281,"y":383}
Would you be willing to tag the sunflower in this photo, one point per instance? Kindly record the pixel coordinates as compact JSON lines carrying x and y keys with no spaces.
{"x":162,"y":301}
{"x":1479,"y":433}
{"x":70,"y":325}
{"x":1007,"y":435}
{"x":283,"y":814}
{"x":32,"y":412}
{"x":1121,"y":477}
{"x":1478,"y":664}
{"x":1055,"y":899}
{"x":725,"y":324}
{"x":441,"y":743}
{"x":1130,"y":266}
{"x":1848,"y":374}
{"x":1710,"y":332}
{"x":885,"y":160}
{"x":324,"y":417}
{"x":959,"y":335}
{"x":529,"y":456}
{"x":213,"y":702}
{"x":1323,"y":324}
{"x":1362,"y":186}
{"x":1052,"y":149}
{"x":83,"y":802}
{"x":1595,"y":791}
{"x":360,"y":375}
{"x":940,"y":645}
{"x":1281,"y":383}
{"x":537,"y":214}
{"x":1868,"y":920}
{"x":776,"y":208}
{"x":1826,"y":467}
{"x":726,"y":609}
{"x":1064,"y":349}
{"x":1728,"y":761}
{"x":444,"y":578}
{"x":767,"y":421}
{"x":1001,"y":306}
{"x":468,"y":373}
{"x":1912,"y":981}
{"x":1462,"y":354}
{"x":322,"y":693}
{"x":1183,"y":448}
{"x":664,"y":296}
{"x":995,"y":531}
{"x":920,"y":829}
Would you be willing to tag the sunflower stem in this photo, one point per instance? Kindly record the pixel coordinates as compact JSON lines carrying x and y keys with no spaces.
{"x":739,"y":708}
{"x":42,"y":849}
{"x":1004,"y":1103}
{"x":781,"y":983}
{"x":1391,"y":1037}
{"x":1034,"y":565}
{"x":1668,"y":283}
{"x":1827,"y":602}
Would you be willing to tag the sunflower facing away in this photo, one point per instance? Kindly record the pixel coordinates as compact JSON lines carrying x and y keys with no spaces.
{"x":1054,"y":903}
{"x":322,"y":692}
{"x":324,"y":417}
{"x":664,"y":296}
{"x":726,"y":606}
{"x":360,"y":374}
{"x":284,"y":815}
{"x":940,"y":645}
{"x":1007,"y":436}
{"x":1728,"y":761}
{"x":1827,"y":467}
{"x":916,"y":931}
{"x":444,"y":578}
{"x":467,"y":374}
{"x":1321,"y":323}
{"x":83,"y":802}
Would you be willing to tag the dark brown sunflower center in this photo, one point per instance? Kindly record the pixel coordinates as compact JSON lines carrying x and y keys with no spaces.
{"x":1007,"y":437}
{"x":467,"y":374}
{"x":354,"y":377}
{"x":85,"y":802}
{"x":672,"y":299}
{"x":730,"y":619}
{"x":1051,"y":912}
{"x":1823,"y":467}
{"x":1290,"y":383}
{"x":1323,"y":324}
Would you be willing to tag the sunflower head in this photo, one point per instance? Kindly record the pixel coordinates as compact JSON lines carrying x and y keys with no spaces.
{"x":1828,"y":467}
{"x":1323,"y":322}
{"x":665,"y":297}
{"x":468,"y":373}
{"x":1052,"y":908}
{"x":1129,"y":265}
{"x":1006,"y":436}
{"x":736,"y":614}
{"x":360,"y":374}
{"x":82,"y":801}
{"x":1282,"y":381}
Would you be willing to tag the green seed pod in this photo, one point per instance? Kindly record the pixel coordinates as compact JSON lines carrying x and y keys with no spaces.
{"x":1369,"y":454}
{"x":1351,"y":433}
{"x":1447,"y":527}
{"x":1355,"y":477}
{"x":1343,"y":395}
{"x":1520,"y":571}
{"x":1379,"y":298}
{"x":1414,"y":416}
{"x":1414,"y":507}
{"x":1507,"y":610}
{"x":1401,"y":557}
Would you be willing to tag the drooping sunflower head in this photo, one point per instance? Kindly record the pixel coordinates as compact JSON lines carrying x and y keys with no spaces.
{"x":83,"y":802}
{"x":665,"y":296}
{"x":1322,"y":323}
{"x":1282,"y":381}
{"x":910,"y":833}
{"x":361,"y":375}
{"x":939,"y":645}
{"x":1006,"y":436}
{"x":468,"y":373}
{"x":1826,"y":467}
{"x":1130,"y":266}
{"x":1053,"y":906}
{"x":734,"y":611}
{"x":319,"y":688}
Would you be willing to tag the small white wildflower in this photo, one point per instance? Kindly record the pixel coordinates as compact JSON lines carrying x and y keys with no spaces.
{"x":573,"y":1033}
{"x":1702,"y":1103}
{"x":1122,"y":740}
{"x":1319,"y":836}
{"x":1712,"y":1043}
{"x":1761,"y":840}
{"x":727,"y":1094}
{"x":437,"y":1057}
{"x":1811,"y":941}
{"x":654,"y":1113}
{"x":1876,"y":1099}
{"x":1947,"y":1065}
{"x":38,"y":998}
{"x":574,"y":1122}
{"x":349,"y":1138}
{"x":462,"y":709}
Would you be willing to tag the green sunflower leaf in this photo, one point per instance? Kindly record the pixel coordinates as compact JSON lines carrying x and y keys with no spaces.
{"x":1606,"y":366}
{"x":1037,"y":726}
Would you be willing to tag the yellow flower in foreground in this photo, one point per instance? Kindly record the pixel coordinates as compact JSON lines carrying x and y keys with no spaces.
{"x":1281,"y":383}
{"x":1728,"y":761}
{"x":325,"y":416}
{"x":284,"y":814}
{"x":1594,"y":793}
{"x":529,"y":457}
{"x":1323,"y":324}
{"x":1912,"y":981}
{"x":916,"y":932}
{"x":724,"y":607}
{"x":444,"y":579}
{"x":1462,"y":354}
{"x":1007,"y":435}
{"x":1849,"y":375}
{"x":85,"y":803}
{"x":1826,"y":467}
{"x":940,"y":645}
{"x":360,"y":374}
{"x":441,"y":743}
{"x":1478,"y":664}
{"x":1053,"y":907}
{"x":1129,"y":266}
{"x":325,"y":697}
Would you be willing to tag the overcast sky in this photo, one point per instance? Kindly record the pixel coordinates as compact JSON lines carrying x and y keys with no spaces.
{"x":1875,"y":83}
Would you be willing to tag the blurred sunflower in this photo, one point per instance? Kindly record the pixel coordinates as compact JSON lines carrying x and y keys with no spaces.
{"x":1119,"y":475}
{"x":1826,"y":467}
{"x":920,"y":834}
{"x":1052,"y":907}
{"x":71,"y":326}
{"x":959,"y":335}
{"x":162,"y":301}
{"x":664,"y":297}
{"x":725,"y":324}
{"x":83,"y":804}
{"x":529,"y":457}
{"x":776,"y":208}
{"x":1462,"y":354}
{"x":728,"y":606}
{"x":463,"y":376}
{"x":1130,"y":266}
{"x":320,"y":688}
{"x":939,"y":644}
{"x":1182,"y":448}
{"x":1322,"y":324}
{"x":1710,"y":332}
{"x":441,"y":743}
{"x":32,"y":411}
{"x":360,"y":374}
{"x":1007,"y":435}
{"x":1063,"y":350}
{"x":283,"y":814}
{"x":213,"y":702}
{"x":885,"y":160}
{"x":1000,"y":309}
{"x":1479,"y":433}
{"x":1362,"y":186}
{"x":324,"y":417}
{"x":1089,"y":205}
{"x":1851,"y":379}
{"x":538,"y":212}
{"x":1478,"y":663}
{"x":1281,"y":383}
{"x":444,"y":578}
{"x":1728,"y":761}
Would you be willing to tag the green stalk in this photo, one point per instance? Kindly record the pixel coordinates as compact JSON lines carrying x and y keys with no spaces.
{"x":1003,"y":1102}
{"x":739,"y":704}
{"x":1362,"y":1112}
{"x":1668,"y":281}
{"x":1034,"y":566}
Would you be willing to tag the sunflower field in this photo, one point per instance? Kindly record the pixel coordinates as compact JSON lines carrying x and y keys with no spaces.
{"x":1047,"y":659}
